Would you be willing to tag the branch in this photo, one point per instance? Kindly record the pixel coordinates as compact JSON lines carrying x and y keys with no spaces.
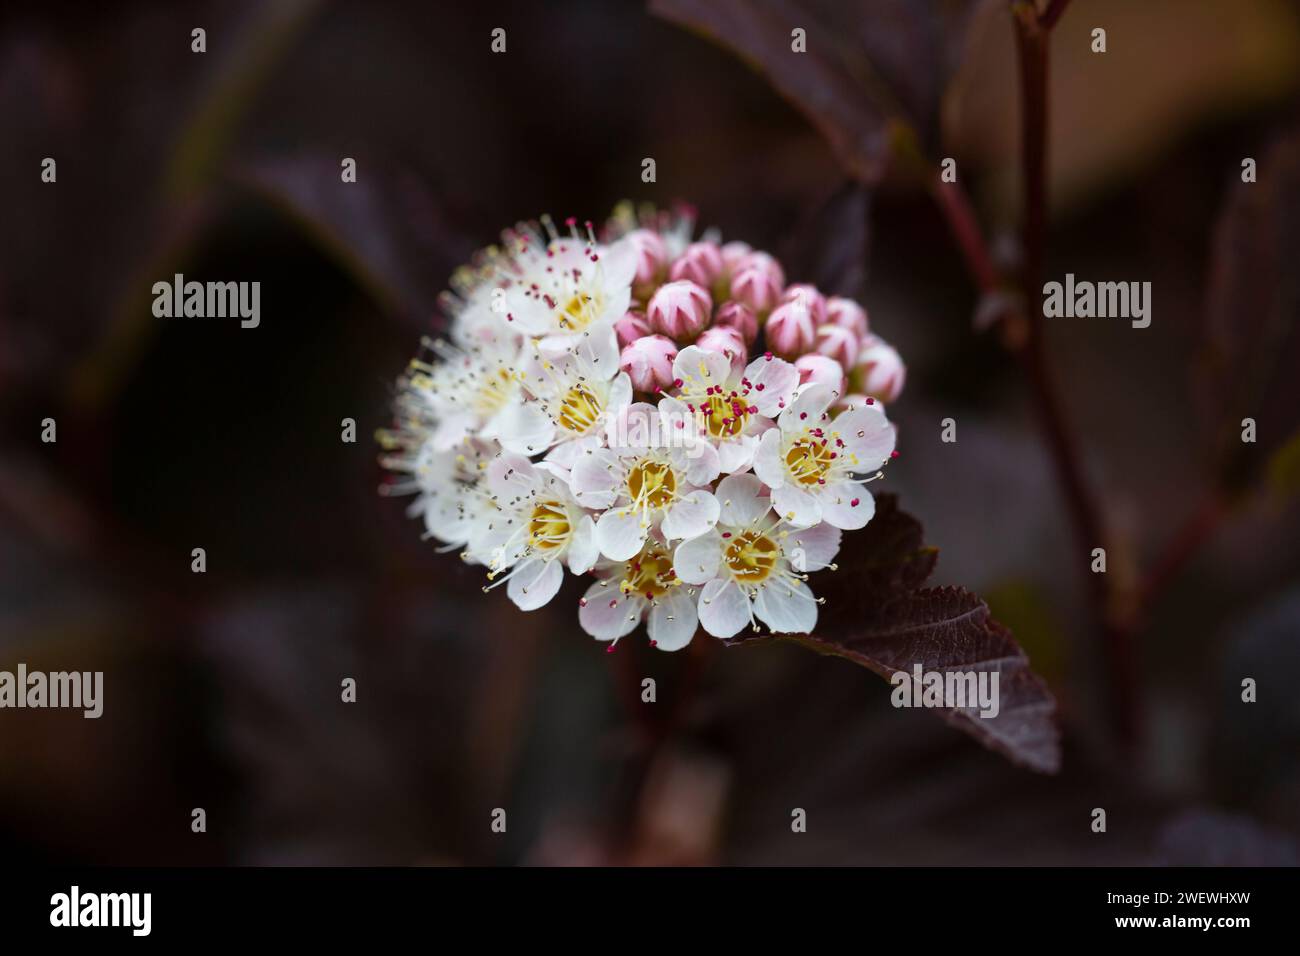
{"x":1031,"y":44}
{"x":1195,"y":532}
{"x":1053,"y":13}
{"x":957,"y":210}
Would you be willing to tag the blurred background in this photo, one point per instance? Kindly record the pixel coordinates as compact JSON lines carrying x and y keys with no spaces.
{"x":222,"y":690}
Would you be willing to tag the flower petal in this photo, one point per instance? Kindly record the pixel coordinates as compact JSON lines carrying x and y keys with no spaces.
{"x":701,"y":367}
{"x":779,"y":380}
{"x":737,"y":454}
{"x":767,"y":459}
{"x":743,"y":500}
{"x":787,"y":607}
{"x":801,"y":508}
{"x":511,"y":477}
{"x":688,"y":517}
{"x":696,"y":560}
{"x":596,"y":478}
{"x":672,"y":620}
{"x":807,"y":409}
{"x":620,"y":395}
{"x":811,"y":549}
{"x":724,"y":608}
{"x":697,"y":460}
{"x":606,"y":614}
{"x":868,"y":436}
{"x":522,"y":427}
{"x":620,"y":534}
{"x":634,"y":428}
{"x":847,"y":505}
{"x":534,"y":582}
{"x":598,"y":353}
{"x":618,"y":263}
{"x":583,"y":550}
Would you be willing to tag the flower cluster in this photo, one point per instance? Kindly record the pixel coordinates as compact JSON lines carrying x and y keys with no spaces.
{"x":665,"y":415}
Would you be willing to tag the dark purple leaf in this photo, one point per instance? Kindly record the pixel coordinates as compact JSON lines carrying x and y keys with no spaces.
{"x":1254,"y":315}
{"x":385,"y":228}
{"x":869,"y":64}
{"x":830,"y":248}
{"x":877,"y":615}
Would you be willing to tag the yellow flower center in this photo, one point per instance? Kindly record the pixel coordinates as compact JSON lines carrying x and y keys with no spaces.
{"x":494,"y":391}
{"x":725,"y":417}
{"x":650,"y":573}
{"x":580,"y":409}
{"x":751,"y":557}
{"x":652,"y":483}
{"x":549,"y":528}
{"x":808,"y":459}
{"x":577,"y":313}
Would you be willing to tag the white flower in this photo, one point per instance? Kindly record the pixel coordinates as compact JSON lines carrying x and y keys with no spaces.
{"x":652,"y":475}
{"x":471,"y":392}
{"x":754,"y":564}
{"x":531,"y":525}
{"x":568,"y":287}
{"x":810,"y":460}
{"x":450,"y":495}
{"x":735,"y":408}
{"x":572,"y":395}
{"x":644,"y":587}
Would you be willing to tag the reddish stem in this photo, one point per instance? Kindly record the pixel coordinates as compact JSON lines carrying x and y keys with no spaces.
{"x":1053,"y":13}
{"x":1195,"y":532}
{"x":957,"y":210}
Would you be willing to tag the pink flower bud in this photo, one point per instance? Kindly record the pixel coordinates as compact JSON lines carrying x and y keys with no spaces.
{"x":738,"y":316}
{"x":847,"y":314}
{"x":820,"y":370}
{"x":630,"y":328}
{"x":839,"y":343}
{"x":701,"y":263}
{"x":679,"y":310}
{"x":649,"y":362}
{"x":732,"y":254}
{"x":880,"y":371}
{"x":766,"y":262}
{"x":651,"y":257}
{"x":789,"y":329}
{"x":813,"y":300}
{"x":727,"y":340}
{"x":758,"y":282}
